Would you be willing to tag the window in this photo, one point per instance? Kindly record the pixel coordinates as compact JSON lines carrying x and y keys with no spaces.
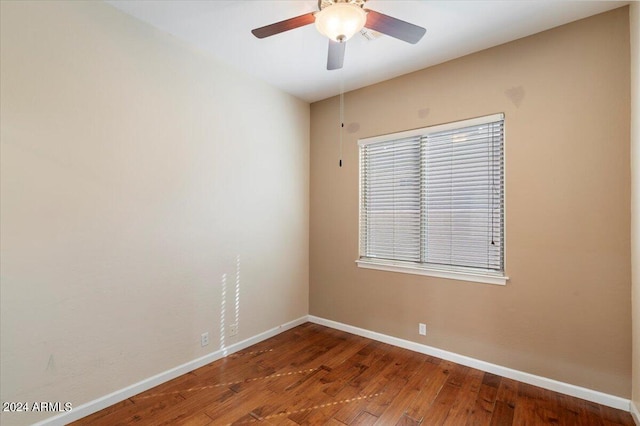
{"x":432,"y":201}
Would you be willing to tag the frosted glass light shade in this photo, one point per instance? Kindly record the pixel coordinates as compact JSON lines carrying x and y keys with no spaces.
{"x":340,"y":21}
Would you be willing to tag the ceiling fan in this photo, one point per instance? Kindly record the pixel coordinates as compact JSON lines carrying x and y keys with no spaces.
{"x":339,"y":20}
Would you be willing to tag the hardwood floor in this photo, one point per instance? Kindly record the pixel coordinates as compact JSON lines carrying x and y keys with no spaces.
{"x":313,"y":375}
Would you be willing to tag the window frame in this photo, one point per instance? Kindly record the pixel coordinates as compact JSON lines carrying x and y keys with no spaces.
{"x":449,"y":271}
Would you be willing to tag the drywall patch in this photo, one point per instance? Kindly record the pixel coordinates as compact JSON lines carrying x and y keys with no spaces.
{"x":515,"y":95}
{"x":353,"y":127}
{"x":423,"y":113}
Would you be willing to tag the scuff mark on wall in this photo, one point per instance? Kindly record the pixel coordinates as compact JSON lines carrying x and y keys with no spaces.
{"x":51,"y":365}
{"x":423,"y":112}
{"x":515,"y":95}
{"x":353,"y":127}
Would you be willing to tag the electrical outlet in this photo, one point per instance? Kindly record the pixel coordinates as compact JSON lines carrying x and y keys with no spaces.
{"x":233,"y":329}
{"x":422,"y":329}
{"x":204,"y":339}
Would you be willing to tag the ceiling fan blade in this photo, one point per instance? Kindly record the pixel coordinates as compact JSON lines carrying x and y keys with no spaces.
{"x":394,"y":27}
{"x":336,"y":55}
{"x":282,"y":26}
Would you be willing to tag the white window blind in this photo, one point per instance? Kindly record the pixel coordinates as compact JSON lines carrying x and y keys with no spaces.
{"x":434,"y":197}
{"x":390,"y":202}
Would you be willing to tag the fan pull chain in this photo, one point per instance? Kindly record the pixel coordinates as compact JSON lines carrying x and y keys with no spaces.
{"x":341,"y":113}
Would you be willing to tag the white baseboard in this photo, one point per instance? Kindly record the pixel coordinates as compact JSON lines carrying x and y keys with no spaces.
{"x":543,"y":382}
{"x":635,"y":412}
{"x":122,"y":394}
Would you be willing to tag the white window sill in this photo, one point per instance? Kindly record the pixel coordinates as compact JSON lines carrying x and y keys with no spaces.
{"x":462,"y":275}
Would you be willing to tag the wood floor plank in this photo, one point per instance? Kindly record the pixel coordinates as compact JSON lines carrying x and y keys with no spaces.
{"x":281,"y":421}
{"x":140,"y":411}
{"x":327,"y":403}
{"x":533,"y":408}
{"x":186,"y":411}
{"x":364,"y":419}
{"x":401,"y":392}
{"x":313,"y":375}
{"x":462,"y":407}
{"x":407,"y":421}
{"x":506,"y":400}
{"x":570,"y":411}
{"x":343,"y":350}
{"x":358,"y":393}
{"x":350,"y":369}
{"x":334,"y":422}
{"x":430,"y":391}
{"x":310,"y":394}
{"x":304,"y":394}
{"x":612,"y":417}
{"x":590,"y":411}
{"x":197,"y":419}
{"x":443,"y":402}
{"x":485,"y":402}
{"x":396,"y":363}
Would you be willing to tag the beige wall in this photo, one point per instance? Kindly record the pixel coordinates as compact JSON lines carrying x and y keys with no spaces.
{"x":566,"y":313}
{"x":135,"y":171}
{"x":634,"y":19}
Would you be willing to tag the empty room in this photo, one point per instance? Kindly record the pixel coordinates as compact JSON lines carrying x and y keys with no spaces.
{"x":319,"y":212}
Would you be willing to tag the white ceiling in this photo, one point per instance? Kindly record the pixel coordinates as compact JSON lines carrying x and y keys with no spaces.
{"x":295,"y":61}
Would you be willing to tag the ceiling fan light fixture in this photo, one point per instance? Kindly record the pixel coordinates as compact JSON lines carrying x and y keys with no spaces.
{"x":340,"y":21}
